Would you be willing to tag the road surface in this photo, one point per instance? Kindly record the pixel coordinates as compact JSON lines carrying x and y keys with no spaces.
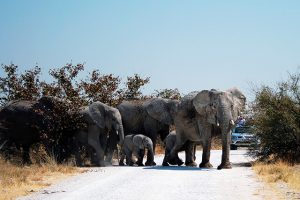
{"x":168,"y":183}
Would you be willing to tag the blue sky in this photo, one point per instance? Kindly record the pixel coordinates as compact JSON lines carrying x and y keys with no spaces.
{"x":189,"y":45}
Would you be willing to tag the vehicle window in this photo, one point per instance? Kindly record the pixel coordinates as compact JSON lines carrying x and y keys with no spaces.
{"x":242,"y":130}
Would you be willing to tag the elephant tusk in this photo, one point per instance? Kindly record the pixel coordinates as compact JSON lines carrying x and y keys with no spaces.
{"x":218,"y":124}
{"x":231,"y":122}
{"x":2,"y":145}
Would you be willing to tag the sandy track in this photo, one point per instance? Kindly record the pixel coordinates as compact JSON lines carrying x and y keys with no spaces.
{"x":130,"y":183}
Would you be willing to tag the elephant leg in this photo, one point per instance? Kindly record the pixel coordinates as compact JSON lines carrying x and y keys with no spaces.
{"x":173,"y":158}
{"x":122,"y":157}
{"x":111,"y":147}
{"x":150,"y":154}
{"x":225,"y":164}
{"x":77,"y":151}
{"x":140,"y":155}
{"x":93,"y":156}
{"x":150,"y":157}
{"x":93,"y":141}
{"x":189,"y":154}
{"x":167,"y":153}
{"x":206,"y":154}
{"x":25,"y":154}
{"x":128,"y":153}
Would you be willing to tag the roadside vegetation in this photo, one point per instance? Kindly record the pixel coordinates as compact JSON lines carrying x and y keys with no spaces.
{"x":18,"y":180}
{"x":277,"y":125}
{"x":63,"y":82}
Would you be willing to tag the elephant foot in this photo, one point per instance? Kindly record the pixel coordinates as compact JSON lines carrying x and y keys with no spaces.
{"x":180,"y":162}
{"x":205,"y":165}
{"x":108,"y":163}
{"x":173,"y":162}
{"x":121,"y":164}
{"x":101,"y":164}
{"x":191,"y":164}
{"x":224,"y":166}
{"x":150,"y":163}
{"x":140,"y":164}
{"x":165,"y":164}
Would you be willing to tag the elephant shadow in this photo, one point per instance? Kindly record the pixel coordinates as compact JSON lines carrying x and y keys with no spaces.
{"x":242,"y":164}
{"x":178,"y":168}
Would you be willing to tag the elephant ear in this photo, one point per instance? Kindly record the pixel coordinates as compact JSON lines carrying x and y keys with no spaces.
{"x":238,"y":101}
{"x":97,"y":113}
{"x":201,"y":102}
{"x":158,"y":109}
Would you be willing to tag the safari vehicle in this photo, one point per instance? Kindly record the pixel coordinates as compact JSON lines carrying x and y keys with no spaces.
{"x":242,"y":137}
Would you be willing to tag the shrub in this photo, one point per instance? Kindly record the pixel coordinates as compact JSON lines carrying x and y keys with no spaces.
{"x":277,"y":120}
{"x":168,"y":93}
{"x":61,"y":120}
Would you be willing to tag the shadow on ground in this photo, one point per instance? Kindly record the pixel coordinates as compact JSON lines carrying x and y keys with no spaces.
{"x":181,"y":168}
{"x":242,"y":164}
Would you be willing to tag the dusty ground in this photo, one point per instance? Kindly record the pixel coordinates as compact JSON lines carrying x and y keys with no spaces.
{"x":163,"y":182}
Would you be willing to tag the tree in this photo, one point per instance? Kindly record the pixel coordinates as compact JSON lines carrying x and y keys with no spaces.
{"x":14,"y":86}
{"x":277,"y":120}
{"x":134,"y":84}
{"x":104,"y":88}
{"x":168,"y":93}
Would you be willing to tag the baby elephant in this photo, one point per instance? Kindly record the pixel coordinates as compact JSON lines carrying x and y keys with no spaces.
{"x":169,"y":144}
{"x":136,"y":144}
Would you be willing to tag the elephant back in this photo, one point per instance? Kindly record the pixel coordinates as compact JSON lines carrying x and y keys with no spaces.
{"x":186,"y":106}
{"x":132,"y":115}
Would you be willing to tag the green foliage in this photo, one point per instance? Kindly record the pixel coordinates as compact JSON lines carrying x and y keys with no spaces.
{"x":168,"y":93}
{"x":104,"y":88}
{"x":66,"y":86}
{"x":14,"y":86}
{"x":277,"y":120}
{"x":134,"y":84}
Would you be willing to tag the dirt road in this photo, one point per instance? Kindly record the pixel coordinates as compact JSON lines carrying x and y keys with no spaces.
{"x":130,"y":183}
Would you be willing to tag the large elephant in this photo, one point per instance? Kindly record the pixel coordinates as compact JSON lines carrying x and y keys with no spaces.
{"x":103,"y":131}
{"x":202,"y":114}
{"x":23,"y":123}
{"x":151,"y":117}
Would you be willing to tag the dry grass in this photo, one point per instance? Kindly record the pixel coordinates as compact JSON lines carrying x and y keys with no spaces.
{"x":159,"y":149}
{"x":17,"y":180}
{"x":216,"y":143}
{"x":279,"y":172}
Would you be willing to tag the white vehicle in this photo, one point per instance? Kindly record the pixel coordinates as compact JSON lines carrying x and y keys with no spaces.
{"x":242,"y":137}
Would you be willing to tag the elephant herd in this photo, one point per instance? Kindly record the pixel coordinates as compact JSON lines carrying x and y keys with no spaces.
{"x":134,"y":125}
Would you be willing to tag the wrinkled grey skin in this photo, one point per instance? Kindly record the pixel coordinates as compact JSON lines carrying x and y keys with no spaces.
{"x":170,"y":142}
{"x":136,"y":144}
{"x":103,"y":122}
{"x":200,"y":115}
{"x":151,"y":117}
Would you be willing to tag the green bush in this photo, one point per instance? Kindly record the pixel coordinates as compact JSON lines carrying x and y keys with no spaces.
{"x":277,"y":120}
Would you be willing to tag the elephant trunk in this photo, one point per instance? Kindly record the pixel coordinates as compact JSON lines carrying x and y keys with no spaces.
{"x":226,"y":139}
{"x":226,"y":125}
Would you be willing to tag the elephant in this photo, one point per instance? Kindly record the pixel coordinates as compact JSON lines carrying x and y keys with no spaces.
{"x":103,"y":131}
{"x":24,"y":123}
{"x":137,"y":144}
{"x":170,"y":142}
{"x":200,"y":115}
{"x":151,"y":117}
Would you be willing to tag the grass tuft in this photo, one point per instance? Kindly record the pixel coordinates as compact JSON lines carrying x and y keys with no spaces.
{"x":279,"y":171}
{"x":18,"y":180}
